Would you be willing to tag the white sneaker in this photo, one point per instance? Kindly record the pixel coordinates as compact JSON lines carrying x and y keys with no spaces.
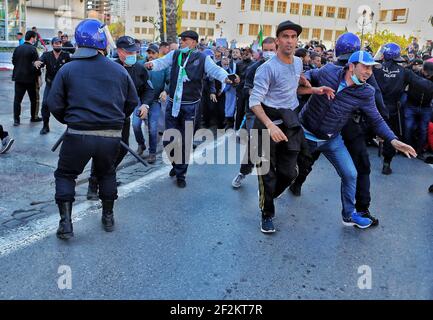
{"x":237,"y":181}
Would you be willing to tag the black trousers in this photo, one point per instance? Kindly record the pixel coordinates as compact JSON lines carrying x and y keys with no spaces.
{"x":45,"y":111}
{"x":20,"y":91}
{"x":388,"y":150}
{"x":122,"y":151}
{"x":241,"y":102}
{"x":75,"y":153}
{"x":354,"y":139}
{"x":3,"y":134}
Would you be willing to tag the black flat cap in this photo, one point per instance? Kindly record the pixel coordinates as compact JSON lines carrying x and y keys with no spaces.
{"x":127,"y":43}
{"x":289,"y":25}
{"x":189,"y":34}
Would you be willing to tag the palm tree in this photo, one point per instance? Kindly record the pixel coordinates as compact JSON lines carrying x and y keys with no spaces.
{"x":171,"y":16}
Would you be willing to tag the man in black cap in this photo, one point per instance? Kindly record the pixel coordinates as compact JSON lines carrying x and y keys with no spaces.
{"x":127,"y":51}
{"x":273,"y":100}
{"x":53,"y":61}
{"x":188,"y":69}
{"x":67,"y":45}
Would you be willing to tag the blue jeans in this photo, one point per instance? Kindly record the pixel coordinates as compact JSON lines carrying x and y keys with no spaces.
{"x":416,"y":117}
{"x":335,"y":151}
{"x":187,"y":113}
{"x":152,"y":121}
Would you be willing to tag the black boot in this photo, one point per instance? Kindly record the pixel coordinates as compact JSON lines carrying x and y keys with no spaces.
{"x":386,"y":168}
{"x":65,"y":230}
{"x":108,"y":215}
{"x":92,"y":190}
{"x":229,"y":123}
{"x":46,"y":128}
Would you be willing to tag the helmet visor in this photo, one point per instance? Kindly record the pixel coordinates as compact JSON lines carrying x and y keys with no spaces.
{"x":379,"y":54}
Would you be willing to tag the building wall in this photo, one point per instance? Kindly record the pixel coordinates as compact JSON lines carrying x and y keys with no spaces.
{"x":137,"y":16}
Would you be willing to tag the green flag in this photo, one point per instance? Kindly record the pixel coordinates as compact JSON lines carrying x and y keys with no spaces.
{"x":260,"y":36}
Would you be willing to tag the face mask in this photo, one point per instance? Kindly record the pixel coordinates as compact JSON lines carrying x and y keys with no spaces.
{"x":184,"y":50}
{"x":57,"y":49}
{"x":131,"y":60}
{"x":268,"y":55}
{"x":356,"y":80}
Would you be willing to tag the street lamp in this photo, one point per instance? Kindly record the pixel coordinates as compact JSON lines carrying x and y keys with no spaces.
{"x":221,"y":23}
{"x":365,"y":20}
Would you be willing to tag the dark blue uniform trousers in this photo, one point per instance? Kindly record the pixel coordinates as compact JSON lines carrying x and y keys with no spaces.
{"x":75,"y":153}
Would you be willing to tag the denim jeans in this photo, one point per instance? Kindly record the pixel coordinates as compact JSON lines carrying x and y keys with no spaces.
{"x":152,"y":121}
{"x":416,"y":117}
{"x":336,"y":152}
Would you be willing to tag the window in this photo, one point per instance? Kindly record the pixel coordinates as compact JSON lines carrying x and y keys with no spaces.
{"x":242,"y":5}
{"x":151,"y":31}
{"x":144,"y":19}
{"x":183,"y":29}
{"x":294,"y":8}
{"x":193,"y":15}
{"x":317,"y":34}
{"x":210,"y":32}
{"x":218,"y":4}
{"x":203,"y":1}
{"x":330,"y":12}
{"x":211,"y":16}
{"x":136,"y":30}
{"x":399,"y":15}
{"x":342,"y":13}
{"x":202,"y":31}
{"x":281,"y":6}
{"x":255,"y":5}
{"x":137,"y":18}
{"x":327,"y":35}
{"x":253,"y":30}
{"x":267,"y":30}
{"x":212,"y":2}
{"x":202,"y":15}
{"x":306,"y":9}
{"x":241,"y":29}
{"x":318,"y":11}
{"x":269,"y":5}
{"x":305,"y":35}
{"x":383,"y":14}
{"x":143,"y":30}
{"x":193,"y":29}
{"x":151,"y":19}
{"x":184,"y":14}
{"x":338,"y":33}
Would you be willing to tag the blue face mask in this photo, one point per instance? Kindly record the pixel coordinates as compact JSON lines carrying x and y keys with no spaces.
{"x":184,"y":50}
{"x":356,"y":80}
{"x":131,"y":60}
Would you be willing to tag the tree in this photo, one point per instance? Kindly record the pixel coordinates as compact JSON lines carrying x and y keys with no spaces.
{"x":171,"y":16}
{"x":380,"y":38}
{"x":117,"y":30}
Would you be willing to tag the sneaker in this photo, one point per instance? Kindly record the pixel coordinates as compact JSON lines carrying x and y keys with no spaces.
{"x":237,"y":181}
{"x":181,"y":183}
{"x":44,"y":130}
{"x":357,"y":220}
{"x":140,"y":149}
{"x":367,"y":214}
{"x":16,"y":122}
{"x":152,"y":158}
{"x":267,"y":225}
{"x":386,"y":168}
{"x":6,"y":144}
{"x":172,"y":173}
{"x":295,"y":188}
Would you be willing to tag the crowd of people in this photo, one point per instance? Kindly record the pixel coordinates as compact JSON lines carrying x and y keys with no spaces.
{"x":308,"y":99}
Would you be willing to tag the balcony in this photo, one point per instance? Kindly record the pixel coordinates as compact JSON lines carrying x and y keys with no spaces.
{"x":47,"y":4}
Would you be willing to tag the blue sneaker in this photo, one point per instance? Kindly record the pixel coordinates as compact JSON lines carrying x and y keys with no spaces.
{"x":267,"y":225}
{"x":357,"y":220}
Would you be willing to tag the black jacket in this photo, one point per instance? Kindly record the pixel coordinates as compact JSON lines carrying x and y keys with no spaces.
{"x":92,"y":94}
{"x":22,"y":59}
{"x":52,"y":64}
{"x":241,"y":69}
{"x":420,"y":93}
{"x":143,"y":85}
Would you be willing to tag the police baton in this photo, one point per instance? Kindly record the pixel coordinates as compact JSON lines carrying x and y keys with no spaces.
{"x":123,"y":144}
{"x":400,"y":127}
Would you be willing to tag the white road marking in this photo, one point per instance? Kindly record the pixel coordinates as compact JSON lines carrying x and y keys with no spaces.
{"x":39,"y":229}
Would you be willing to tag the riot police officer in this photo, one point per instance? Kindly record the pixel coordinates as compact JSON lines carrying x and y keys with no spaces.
{"x":392,"y":79}
{"x":93,"y":96}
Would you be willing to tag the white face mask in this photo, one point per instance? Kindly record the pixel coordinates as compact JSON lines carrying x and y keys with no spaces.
{"x":268,"y":55}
